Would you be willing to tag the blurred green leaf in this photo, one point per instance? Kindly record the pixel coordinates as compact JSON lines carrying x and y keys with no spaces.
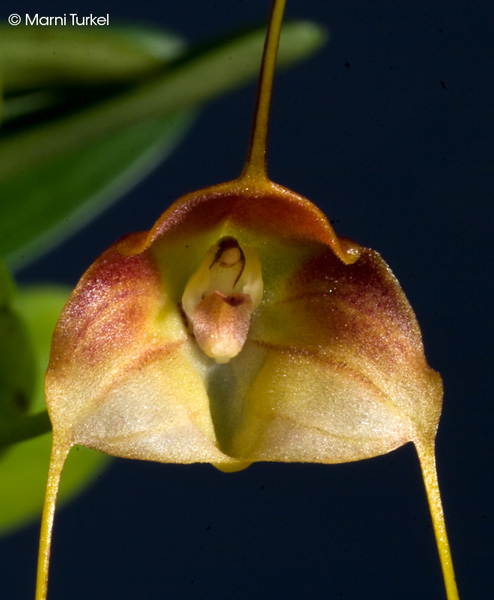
{"x":6,"y":286}
{"x":47,"y":169}
{"x":62,"y":195}
{"x":52,"y":66}
{"x":40,"y":307}
{"x":16,"y":368}
{"x":23,"y":466}
{"x":40,"y":57}
{"x":16,"y":358}
{"x":47,"y":67}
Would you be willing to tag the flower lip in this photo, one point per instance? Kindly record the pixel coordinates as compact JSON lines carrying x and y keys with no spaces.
{"x":221,"y":296}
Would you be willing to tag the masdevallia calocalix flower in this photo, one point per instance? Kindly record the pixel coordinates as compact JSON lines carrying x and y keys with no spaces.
{"x":240,"y":328}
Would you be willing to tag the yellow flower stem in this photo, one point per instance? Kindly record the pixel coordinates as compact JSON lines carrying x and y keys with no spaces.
{"x":58,"y":455}
{"x":429,"y":473}
{"x":255,"y":165}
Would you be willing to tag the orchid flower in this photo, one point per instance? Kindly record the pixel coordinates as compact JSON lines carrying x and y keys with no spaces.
{"x":239,"y":329}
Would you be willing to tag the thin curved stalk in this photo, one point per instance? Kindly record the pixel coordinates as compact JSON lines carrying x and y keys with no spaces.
{"x":429,"y":472}
{"x":57,"y":460}
{"x":255,"y":165}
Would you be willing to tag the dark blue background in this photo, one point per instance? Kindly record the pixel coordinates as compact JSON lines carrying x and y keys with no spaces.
{"x":389,"y":130}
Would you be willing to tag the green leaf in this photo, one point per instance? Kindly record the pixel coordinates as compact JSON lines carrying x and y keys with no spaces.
{"x":23,"y":466}
{"x":43,"y":67}
{"x":47,"y":63}
{"x":34,"y":58}
{"x":16,"y":357}
{"x":47,"y":169}
{"x":40,"y":307}
{"x":16,"y":368}
{"x":6,"y":286}
{"x":62,"y":195}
